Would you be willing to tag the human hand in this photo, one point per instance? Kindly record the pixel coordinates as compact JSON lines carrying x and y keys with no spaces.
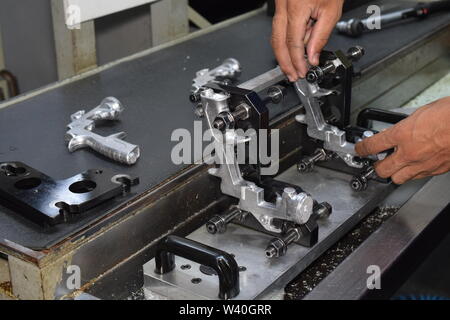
{"x":294,"y":28}
{"x":421,"y":142}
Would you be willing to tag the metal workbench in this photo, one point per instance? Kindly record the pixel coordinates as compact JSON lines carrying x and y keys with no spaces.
{"x":154,"y":89}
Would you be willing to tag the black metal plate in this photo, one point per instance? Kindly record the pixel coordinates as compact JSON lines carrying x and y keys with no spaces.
{"x":47,"y":201}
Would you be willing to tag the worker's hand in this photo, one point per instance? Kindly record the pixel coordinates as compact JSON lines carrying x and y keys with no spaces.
{"x":302,"y":23}
{"x":421,"y":142}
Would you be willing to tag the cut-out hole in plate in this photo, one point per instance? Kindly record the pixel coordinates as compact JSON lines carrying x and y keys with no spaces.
{"x":83,"y":186}
{"x":13,"y":171}
{"x":28,"y":184}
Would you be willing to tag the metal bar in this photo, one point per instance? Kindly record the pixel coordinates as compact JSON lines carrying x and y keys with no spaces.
{"x":197,"y":19}
{"x":399,"y":245}
{"x":75,"y":48}
{"x":348,"y":209}
{"x":264,"y":81}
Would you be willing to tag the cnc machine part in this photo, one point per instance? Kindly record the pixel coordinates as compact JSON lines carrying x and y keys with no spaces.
{"x":49,"y":202}
{"x":290,"y":205}
{"x":334,"y":139}
{"x":80,"y":133}
{"x":228,"y":71}
{"x":221,"y":262}
{"x":218,"y":223}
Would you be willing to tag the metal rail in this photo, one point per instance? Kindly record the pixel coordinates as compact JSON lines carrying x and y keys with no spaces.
{"x":396,"y":248}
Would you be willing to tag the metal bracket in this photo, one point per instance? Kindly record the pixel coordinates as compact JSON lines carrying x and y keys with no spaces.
{"x":228,"y":71}
{"x":49,"y":202}
{"x":290,"y":205}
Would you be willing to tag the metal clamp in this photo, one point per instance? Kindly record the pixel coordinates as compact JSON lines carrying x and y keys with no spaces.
{"x":229,"y":70}
{"x":309,"y":92}
{"x":80,"y":133}
{"x":290,"y":205}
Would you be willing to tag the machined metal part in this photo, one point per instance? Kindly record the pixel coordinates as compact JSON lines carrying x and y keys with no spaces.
{"x":80,"y":133}
{"x":229,"y":70}
{"x":307,"y":163}
{"x":218,"y":223}
{"x":278,"y":246}
{"x":290,"y":205}
{"x":360,"y":182}
{"x":334,"y":139}
{"x":316,"y":73}
{"x":276,"y":94}
{"x":256,"y":282}
{"x":48,"y":202}
{"x":323,"y":210}
{"x":227,"y":120}
{"x":413,"y":60}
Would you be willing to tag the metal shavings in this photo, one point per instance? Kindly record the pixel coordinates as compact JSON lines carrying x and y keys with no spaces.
{"x":329,"y":261}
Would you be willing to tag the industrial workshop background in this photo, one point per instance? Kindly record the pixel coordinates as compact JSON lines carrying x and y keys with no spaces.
{"x":37,"y":49}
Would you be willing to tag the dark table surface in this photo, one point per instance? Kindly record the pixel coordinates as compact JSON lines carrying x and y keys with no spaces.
{"x":154,"y":90}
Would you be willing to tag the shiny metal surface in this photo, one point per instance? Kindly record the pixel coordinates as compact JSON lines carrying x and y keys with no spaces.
{"x":249,"y":246}
{"x":265,"y":80}
{"x":391,"y":243}
{"x":288,"y":206}
{"x":394,"y":80}
{"x":333,"y":138}
{"x":230,"y":69}
{"x":80,"y":133}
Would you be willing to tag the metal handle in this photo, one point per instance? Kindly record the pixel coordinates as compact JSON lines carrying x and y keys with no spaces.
{"x":222,"y":262}
{"x":115,"y":148}
{"x":371,"y":114}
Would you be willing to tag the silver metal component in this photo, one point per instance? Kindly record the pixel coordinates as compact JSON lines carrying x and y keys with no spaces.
{"x":307,"y":163}
{"x":288,"y":206}
{"x":367,"y":134}
{"x":323,"y":211}
{"x":256,"y":282}
{"x":230,"y":69}
{"x":80,"y":133}
{"x":276,"y":94}
{"x":218,"y":223}
{"x":360,"y":182}
{"x":334,"y":139}
{"x":265,"y":80}
{"x":355,"y":53}
{"x":278,"y":246}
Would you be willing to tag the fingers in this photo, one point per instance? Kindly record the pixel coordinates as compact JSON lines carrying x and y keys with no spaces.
{"x":320,"y":35}
{"x":392,"y":164}
{"x":309,"y":29}
{"x":280,"y":22}
{"x":417,"y":170}
{"x":441,"y":169}
{"x":406,"y":174}
{"x":380,"y":142}
{"x":298,"y":19}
